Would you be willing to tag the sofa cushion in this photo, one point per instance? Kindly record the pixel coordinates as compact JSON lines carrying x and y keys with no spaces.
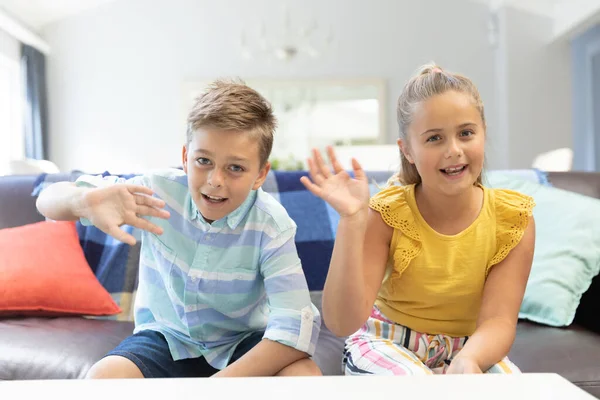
{"x":114,"y":263}
{"x":43,"y":272}
{"x":571,"y":352}
{"x":56,"y":348}
{"x":567,"y":250}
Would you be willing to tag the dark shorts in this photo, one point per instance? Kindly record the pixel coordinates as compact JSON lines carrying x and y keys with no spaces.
{"x":149,"y":351}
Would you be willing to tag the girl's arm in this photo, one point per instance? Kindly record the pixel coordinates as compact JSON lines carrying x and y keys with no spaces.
{"x":361,"y":245}
{"x":502,"y":296}
{"x":356,"y":270}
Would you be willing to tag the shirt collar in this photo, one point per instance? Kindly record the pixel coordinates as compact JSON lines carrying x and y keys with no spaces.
{"x":233,"y":219}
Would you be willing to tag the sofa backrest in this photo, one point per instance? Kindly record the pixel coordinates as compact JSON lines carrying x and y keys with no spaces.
{"x":586,"y":183}
{"x":315,"y":237}
{"x":17,"y":206}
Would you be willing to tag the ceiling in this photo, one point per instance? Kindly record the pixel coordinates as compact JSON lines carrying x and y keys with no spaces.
{"x":37,"y":13}
{"x":542,"y":7}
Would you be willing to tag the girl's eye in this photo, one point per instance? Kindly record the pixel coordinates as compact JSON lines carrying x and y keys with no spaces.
{"x":466,"y":133}
{"x":434,"y":138}
{"x":203,"y":161}
{"x":236,"y":168}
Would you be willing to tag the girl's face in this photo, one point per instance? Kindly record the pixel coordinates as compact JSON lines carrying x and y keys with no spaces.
{"x":446,"y":142}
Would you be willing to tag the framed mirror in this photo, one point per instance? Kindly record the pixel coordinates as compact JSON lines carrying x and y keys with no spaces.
{"x":316,"y":113}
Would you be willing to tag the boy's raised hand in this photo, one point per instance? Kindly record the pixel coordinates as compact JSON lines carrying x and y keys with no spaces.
{"x":345,"y":194}
{"x":123,"y":204}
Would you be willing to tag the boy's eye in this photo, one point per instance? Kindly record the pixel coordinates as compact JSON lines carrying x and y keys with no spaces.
{"x":434,"y":138}
{"x":203,"y":161}
{"x":236,"y":168}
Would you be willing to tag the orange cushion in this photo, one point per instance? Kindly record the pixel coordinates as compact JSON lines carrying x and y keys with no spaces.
{"x":43,"y":272}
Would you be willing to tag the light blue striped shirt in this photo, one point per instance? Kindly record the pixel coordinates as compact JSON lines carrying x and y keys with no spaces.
{"x":206,"y":287}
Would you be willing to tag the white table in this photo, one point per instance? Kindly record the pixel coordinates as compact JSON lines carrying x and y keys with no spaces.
{"x":446,"y":387}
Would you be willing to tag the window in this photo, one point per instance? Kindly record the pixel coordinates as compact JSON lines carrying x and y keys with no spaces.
{"x":586,"y":100}
{"x":11,"y":132}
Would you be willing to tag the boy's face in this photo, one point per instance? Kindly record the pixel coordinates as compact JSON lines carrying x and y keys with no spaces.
{"x":222,"y":168}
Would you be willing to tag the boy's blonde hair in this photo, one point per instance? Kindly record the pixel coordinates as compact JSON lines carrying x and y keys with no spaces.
{"x":231,"y":105}
{"x":429,"y":81}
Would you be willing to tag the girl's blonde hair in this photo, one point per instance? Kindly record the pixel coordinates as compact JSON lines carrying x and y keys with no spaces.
{"x":429,"y":81}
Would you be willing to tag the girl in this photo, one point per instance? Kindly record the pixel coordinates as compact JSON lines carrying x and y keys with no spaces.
{"x":427,"y":276}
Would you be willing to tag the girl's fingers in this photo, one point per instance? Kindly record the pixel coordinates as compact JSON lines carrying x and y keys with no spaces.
{"x":320,"y":164}
{"x":337,"y":167}
{"x":359,"y":173}
{"x":314,"y":173}
{"x":314,"y":189}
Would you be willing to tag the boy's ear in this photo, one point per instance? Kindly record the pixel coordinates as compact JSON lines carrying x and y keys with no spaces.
{"x":184,"y":158}
{"x":262,"y":175}
{"x":404,"y":150}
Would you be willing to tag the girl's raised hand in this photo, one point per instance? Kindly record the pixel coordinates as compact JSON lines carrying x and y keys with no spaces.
{"x":347,"y":195}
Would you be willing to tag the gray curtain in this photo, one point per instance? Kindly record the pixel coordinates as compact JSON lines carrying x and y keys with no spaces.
{"x":33,"y":68}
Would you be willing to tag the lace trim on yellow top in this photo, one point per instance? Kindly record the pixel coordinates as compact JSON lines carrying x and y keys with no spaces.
{"x":392,"y":205}
{"x":513,"y":211}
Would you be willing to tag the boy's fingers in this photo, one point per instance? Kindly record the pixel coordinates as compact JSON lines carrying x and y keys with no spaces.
{"x":152,"y":212}
{"x":337,"y":167}
{"x":321,"y":166}
{"x":145,"y":225}
{"x":149,"y":201}
{"x":314,"y":189}
{"x":121,"y":235}
{"x":133,"y":189}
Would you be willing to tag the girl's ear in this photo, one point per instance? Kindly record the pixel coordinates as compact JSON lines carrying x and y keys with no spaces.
{"x":405,"y":151}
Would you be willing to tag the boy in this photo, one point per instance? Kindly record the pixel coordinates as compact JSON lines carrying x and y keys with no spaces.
{"x":221,"y":289}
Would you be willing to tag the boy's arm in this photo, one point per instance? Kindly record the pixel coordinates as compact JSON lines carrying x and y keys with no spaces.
{"x":267,"y":358}
{"x":62,"y":201}
{"x":294,"y":322}
{"x":101,"y":202}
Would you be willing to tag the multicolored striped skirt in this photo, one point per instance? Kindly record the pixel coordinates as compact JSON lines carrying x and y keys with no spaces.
{"x":382,"y":347}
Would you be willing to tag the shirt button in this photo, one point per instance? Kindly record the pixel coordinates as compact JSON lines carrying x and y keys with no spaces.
{"x":194,"y":279}
{"x":208,"y":237}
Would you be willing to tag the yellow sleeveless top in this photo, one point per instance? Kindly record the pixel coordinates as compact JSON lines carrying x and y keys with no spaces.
{"x":434,"y":282}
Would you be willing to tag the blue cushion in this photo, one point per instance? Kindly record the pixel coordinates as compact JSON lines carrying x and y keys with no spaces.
{"x":567,"y":250}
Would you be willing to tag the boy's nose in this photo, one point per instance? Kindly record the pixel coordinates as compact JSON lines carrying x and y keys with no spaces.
{"x":215,"y":179}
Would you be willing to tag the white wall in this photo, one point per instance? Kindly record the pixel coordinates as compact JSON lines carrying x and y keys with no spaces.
{"x":535,"y":95}
{"x":9,"y":46}
{"x":573,"y":17}
{"x":115,"y":73}
{"x":11,"y":137}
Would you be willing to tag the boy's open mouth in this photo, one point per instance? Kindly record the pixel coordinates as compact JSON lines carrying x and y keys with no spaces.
{"x":213,"y":199}
{"x":453,"y":171}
